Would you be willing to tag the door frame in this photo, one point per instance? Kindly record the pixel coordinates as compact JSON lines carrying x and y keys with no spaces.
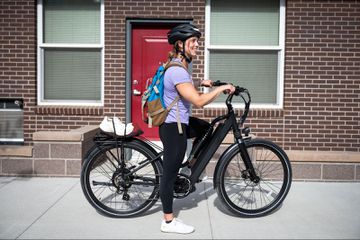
{"x":129,"y":26}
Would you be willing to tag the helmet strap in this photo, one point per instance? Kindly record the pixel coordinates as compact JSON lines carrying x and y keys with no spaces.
{"x":182,"y":52}
{"x":187,"y":59}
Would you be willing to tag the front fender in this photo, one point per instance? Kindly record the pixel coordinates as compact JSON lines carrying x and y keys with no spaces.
{"x":233,"y":147}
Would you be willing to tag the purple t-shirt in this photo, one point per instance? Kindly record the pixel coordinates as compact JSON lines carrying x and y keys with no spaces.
{"x":173,"y":76}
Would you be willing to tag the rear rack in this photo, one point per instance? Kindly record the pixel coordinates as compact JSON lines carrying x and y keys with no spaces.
{"x":108,"y":137}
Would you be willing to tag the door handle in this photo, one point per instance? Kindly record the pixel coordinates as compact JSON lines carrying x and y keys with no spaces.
{"x":136,"y":92}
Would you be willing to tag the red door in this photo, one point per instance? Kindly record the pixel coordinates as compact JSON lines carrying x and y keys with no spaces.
{"x":149,"y":50}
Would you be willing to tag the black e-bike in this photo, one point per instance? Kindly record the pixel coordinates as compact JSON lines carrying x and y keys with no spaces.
{"x":121,"y":174}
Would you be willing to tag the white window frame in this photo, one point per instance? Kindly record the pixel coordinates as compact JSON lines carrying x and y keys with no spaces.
{"x":41,"y":46}
{"x":281,"y":58}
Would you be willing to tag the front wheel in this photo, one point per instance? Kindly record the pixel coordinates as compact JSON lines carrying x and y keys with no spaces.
{"x":254,"y":198}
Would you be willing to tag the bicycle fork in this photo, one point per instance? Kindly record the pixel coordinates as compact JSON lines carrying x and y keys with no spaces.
{"x":250,"y":170}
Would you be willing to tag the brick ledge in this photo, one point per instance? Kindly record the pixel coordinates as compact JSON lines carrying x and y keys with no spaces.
{"x":66,"y":136}
{"x":323,"y":156}
{"x":21,"y":151}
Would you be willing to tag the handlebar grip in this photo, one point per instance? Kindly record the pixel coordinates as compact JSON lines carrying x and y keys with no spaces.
{"x":218,"y":83}
{"x":238,"y":89}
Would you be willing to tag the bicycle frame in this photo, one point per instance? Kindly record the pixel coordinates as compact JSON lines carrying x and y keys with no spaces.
{"x":205,"y":156}
{"x":219,"y":135}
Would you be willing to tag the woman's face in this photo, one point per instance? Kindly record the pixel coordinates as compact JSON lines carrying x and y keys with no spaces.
{"x":191,"y":46}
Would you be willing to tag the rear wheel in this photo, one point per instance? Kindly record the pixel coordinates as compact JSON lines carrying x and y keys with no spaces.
{"x":258,"y":197}
{"x":121,"y":183}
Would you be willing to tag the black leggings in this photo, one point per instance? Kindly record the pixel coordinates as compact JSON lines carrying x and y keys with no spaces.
{"x":174,"y":152}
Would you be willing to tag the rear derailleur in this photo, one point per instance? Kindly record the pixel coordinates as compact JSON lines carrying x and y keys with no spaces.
{"x":122,"y":184}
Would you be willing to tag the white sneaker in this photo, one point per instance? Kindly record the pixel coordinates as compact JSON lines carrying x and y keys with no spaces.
{"x":176,"y":226}
{"x":107,"y":125}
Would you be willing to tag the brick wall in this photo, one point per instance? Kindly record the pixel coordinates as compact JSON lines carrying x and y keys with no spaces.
{"x":18,"y":59}
{"x":116,"y":13}
{"x":18,"y":55}
{"x":321,"y":104}
{"x":322,"y":76}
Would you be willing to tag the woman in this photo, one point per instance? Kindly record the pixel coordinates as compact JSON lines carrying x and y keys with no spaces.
{"x":178,"y":81}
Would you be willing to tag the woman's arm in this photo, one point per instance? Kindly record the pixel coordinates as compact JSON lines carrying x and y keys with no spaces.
{"x":189,"y":92}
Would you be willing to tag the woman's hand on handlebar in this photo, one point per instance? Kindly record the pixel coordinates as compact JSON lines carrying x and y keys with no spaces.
{"x":227,"y":89}
{"x":224,"y":87}
{"x":206,"y":83}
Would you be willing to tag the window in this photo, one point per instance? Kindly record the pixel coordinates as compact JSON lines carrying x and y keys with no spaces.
{"x":70,"y":52}
{"x":245,"y":46}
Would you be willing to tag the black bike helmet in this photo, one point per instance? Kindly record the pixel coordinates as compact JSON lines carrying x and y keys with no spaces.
{"x":183,"y":32}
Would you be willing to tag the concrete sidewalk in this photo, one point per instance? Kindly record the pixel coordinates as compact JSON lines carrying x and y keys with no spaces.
{"x":55,"y":208}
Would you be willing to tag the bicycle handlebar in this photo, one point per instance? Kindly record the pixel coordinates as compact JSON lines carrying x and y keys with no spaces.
{"x":238,"y":92}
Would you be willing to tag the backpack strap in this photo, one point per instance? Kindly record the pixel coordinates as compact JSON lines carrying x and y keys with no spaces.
{"x":178,"y":119}
{"x":144,"y":98}
{"x":176,"y":100}
{"x":173,"y":64}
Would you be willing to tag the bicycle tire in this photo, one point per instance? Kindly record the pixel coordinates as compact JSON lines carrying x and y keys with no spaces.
{"x":242,"y":196}
{"x":116,"y":196}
